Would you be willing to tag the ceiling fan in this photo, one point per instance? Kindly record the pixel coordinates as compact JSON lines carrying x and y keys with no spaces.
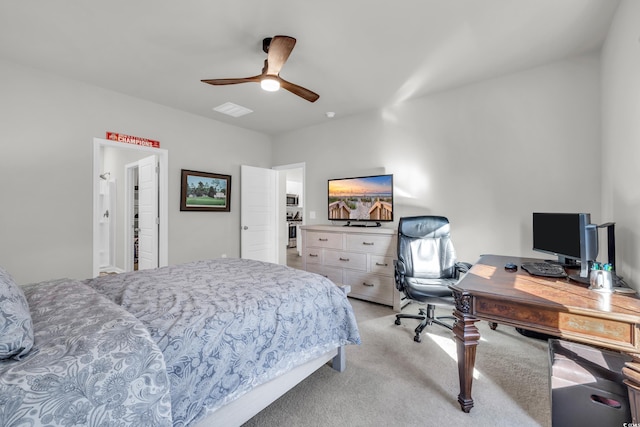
{"x":278,"y":49}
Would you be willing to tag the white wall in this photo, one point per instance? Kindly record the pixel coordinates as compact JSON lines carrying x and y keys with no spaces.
{"x":486,"y":155}
{"x":476,"y":154}
{"x":48,"y":125}
{"x":621,"y":137}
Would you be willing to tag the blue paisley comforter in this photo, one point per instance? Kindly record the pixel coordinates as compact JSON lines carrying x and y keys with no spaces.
{"x":92,"y":363}
{"x":225,"y":326}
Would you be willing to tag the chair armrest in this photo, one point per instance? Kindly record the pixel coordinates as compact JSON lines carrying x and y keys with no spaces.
{"x":399,"y":273}
{"x":399,"y":267}
{"x":462,"y":267}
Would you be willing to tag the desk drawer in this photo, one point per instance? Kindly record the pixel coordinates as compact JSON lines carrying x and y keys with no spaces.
{"x":346,"y":260}
{"x":371,"y":287}
{"x":370,"y":243}
{"x":595,"y":330}
{"x":319,"y":239}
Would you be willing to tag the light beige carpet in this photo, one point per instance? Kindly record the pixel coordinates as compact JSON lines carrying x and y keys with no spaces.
{"x":391,"y":380}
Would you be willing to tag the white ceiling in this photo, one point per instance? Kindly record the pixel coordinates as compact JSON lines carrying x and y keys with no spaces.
{"x":359,"y":55}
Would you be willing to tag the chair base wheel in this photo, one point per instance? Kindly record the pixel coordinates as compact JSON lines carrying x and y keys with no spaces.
{"x":427,"y":317}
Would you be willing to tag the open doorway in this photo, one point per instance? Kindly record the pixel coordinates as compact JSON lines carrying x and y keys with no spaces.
{"x":111,"y":158}
{"x":295,"y":176}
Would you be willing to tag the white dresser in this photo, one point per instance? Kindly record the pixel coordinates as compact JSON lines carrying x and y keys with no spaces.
{"x":360,"y":257}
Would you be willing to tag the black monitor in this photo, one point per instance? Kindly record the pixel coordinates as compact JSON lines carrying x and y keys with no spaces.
{"x":569,"y":236}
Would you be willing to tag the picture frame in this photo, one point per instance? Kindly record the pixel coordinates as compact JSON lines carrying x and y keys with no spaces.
{"x":205,"y":191}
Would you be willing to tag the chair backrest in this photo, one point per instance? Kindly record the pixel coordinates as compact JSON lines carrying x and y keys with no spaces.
{"x":425,"y":247}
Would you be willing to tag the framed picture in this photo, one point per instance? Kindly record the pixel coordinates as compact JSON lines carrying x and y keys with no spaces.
{"x":203,"y":191}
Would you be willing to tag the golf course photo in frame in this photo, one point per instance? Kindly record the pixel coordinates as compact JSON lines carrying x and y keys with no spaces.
{"x":203,"y":191}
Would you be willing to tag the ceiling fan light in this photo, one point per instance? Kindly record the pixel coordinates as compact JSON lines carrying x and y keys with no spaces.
{"x":269,"y":84}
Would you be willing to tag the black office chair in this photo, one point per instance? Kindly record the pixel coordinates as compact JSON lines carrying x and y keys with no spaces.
{"x":426,"y":266}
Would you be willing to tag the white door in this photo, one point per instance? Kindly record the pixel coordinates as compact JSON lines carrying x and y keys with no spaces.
{"x":148,"y":213}
{"x":258,"y":213}
{"x":131,"y":216}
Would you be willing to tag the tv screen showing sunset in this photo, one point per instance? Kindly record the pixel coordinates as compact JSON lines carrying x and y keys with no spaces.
{"x":367,"y":198}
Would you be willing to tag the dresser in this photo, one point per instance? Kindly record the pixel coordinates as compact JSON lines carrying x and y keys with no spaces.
{"x":359,"y":257}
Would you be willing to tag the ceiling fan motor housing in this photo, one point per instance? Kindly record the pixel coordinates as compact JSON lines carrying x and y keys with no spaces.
{"x":265,"y":44}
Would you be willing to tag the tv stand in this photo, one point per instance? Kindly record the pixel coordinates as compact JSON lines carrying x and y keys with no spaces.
{"x":359,"y":257}
{"x":363,"y":224}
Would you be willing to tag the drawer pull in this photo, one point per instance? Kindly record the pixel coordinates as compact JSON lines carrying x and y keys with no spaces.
{"x":368,"y":243}
{"x":371,"y":285}
{"x":343,"y":259}
{"x":323,"y":240}
{"x":381,"y":265}
{"x":313,"y":255}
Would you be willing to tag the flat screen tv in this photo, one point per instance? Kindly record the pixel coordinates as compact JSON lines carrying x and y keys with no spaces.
{"x":363,"y":199}
{"x":569,"y":236}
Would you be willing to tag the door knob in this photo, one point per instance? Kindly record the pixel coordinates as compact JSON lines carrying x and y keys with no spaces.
{"x":245,"y":228}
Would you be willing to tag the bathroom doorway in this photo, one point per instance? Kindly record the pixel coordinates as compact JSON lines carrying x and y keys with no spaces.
{"x":111,"y":158}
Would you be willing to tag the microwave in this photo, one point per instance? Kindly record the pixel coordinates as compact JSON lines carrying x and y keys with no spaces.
{"x":292,"y":200}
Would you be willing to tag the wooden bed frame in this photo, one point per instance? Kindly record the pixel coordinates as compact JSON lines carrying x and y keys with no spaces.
{"x":245,"y":407}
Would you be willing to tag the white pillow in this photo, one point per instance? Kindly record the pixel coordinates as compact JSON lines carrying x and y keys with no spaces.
{"x":16,"y":329}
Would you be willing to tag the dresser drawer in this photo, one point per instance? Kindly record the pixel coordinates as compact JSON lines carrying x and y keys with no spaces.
{"x":346,"y":260}
{"x":318,"y":239}
{"x":371,"y":243}
{"x":370,"y":286}
{"x":313,"y":255}
{"x":332,"y":273}
{"x":381,"y":265}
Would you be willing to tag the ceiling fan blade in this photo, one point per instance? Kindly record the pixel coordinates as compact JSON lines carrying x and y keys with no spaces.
{"x":280,"y":48}
{"x":299,"y":90}
{"x":221,"y":82}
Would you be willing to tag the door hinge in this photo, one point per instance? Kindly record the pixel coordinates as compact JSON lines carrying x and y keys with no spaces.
{"x":157,"y":221}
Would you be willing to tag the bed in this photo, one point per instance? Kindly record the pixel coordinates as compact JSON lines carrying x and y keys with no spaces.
{"x":205,"y":343}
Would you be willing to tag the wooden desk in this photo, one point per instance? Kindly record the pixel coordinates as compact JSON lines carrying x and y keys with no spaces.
{"x":553,"y":306}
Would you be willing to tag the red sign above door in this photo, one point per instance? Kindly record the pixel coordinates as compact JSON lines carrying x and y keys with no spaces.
{"x":112,"y":136}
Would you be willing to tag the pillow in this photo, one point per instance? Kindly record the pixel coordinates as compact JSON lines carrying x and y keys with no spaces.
{"x":16,"y":329}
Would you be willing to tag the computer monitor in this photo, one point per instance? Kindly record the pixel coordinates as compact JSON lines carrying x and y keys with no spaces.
{"x":569,"y":236}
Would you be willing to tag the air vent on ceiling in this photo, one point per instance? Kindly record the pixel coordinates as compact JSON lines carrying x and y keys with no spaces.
{"x":233,"y":110}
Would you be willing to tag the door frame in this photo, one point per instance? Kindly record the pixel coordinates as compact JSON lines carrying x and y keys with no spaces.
{"x":163,"y":196}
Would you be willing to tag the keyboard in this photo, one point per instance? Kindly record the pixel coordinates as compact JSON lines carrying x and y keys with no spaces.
{"x":544,"y":269}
